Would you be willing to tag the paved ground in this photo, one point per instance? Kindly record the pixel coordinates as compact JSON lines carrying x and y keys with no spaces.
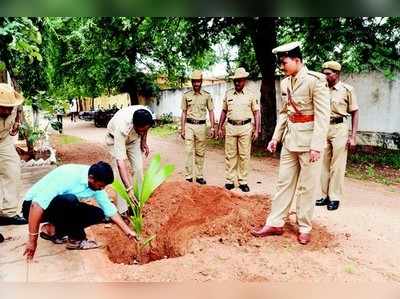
{"x":366,"y":227}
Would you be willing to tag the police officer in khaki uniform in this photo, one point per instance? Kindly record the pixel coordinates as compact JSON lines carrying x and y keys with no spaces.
{"x":240,"y":106}
{"x":127,"y":139}
{"x":10,"y":171}
{"x":302,"y":128}
{"x":195,"y":104}
{"x":343,"y":103}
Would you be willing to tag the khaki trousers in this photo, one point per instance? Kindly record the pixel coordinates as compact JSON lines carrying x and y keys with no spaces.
{"x":135,"y":158}
{"x":195,"y":149}
{"x":237,"y":152}
{"x":334,"y":162}
{"x":300,"y":178}
{"x":10,"y":177}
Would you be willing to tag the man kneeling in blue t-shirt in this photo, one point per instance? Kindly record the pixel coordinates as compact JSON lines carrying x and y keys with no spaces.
{"x":56,"y":199}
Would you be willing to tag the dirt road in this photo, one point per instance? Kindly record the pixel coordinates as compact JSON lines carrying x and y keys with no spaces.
{"x":362,"y":244}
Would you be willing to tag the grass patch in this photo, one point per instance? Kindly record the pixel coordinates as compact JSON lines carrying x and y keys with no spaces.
{"x":215,"y":143}
{"x":376,"y":156}
{"x":68,"y":139}
{"x":165,"y":130}
{"x":375,"y":164}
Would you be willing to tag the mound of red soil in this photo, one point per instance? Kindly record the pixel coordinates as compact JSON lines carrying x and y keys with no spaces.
{"x":80,"y":153}
{"x":179,"y":212}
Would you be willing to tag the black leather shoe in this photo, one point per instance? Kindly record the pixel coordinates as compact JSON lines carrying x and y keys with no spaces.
{"x":333,"y":205}
{"x":189,"y":180}
{"x":1,"y":238}
{"x":201,"y":181}
{"x":229,"y":186}
{"x":322,"y":202}
{"x":15,"y":220}
{"x":244,"y":188}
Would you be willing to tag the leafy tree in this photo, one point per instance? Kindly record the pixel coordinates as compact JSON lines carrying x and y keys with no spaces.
{"x":19,"y":39}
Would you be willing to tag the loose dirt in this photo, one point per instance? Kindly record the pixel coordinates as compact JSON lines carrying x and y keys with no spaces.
{"x":180,"y":212}
{"x":80,"y":153}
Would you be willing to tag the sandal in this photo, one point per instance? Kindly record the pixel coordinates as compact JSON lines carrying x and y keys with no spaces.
{"x":55,"y":239}
{"x":82,"y":245}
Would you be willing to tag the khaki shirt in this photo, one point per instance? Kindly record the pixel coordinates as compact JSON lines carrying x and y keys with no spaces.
{"x":122,"y":131}
{"x":196,"y":105}
{"x":310,"y":93}
{"x":240,"y":105}
{"x":343,"y":100}
{"x":7,"y":123}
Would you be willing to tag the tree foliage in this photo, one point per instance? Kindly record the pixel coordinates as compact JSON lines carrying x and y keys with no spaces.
{"x":73,"y":56}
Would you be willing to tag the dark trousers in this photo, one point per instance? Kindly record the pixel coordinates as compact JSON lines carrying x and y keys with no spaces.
{"x":69,"y":216}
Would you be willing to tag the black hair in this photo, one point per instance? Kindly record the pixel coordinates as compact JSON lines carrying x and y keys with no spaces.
{"x":102,"y":171}
{"x":142,"y":118}
{"x":294,"y":53}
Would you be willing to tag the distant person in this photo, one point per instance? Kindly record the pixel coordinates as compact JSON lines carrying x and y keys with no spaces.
{"x":127,"y":139}
{"x":195,"y":104}
{"x":57,"y":200}
{"x":73,"y":109}
{"x":60,"y":111}
{"x":343,"y":104}
{"x":239,"y":106}
{"x":10,"y":169}
{"x":302,"y":128}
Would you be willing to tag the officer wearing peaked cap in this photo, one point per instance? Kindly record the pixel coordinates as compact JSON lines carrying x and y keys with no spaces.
{"x":343,"y":104}
{"x":195,"y":104}
{"x":240,"y":106}
{"x":302,"y":128}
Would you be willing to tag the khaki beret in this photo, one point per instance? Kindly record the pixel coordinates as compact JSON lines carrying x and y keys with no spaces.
{"x":333,"y":65}
{"x":196,"y":75}
{"x":240,"y":73}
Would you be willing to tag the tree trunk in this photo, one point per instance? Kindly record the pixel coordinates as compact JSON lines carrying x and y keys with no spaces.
{"x":130,"y":84}
{"x":263,"y":35}
{"x":130,"y":87}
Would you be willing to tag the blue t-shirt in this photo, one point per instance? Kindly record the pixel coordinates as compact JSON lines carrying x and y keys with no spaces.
{"x":68,"y":179}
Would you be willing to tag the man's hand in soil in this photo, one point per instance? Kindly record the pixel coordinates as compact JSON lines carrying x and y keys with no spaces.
{"x":30,"y":248}
{"x":145,"y":149}
{"x":132,"y":235}
{"x":117,"y":219}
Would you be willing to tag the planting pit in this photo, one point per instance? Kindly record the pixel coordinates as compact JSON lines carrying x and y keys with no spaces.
{"x":180,"y":212}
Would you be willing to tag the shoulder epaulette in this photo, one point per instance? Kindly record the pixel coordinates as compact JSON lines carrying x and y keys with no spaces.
{"x":348,"y":87}
{"x":317,"y":75}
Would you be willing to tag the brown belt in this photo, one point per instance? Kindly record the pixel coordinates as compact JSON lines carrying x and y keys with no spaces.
{"x":301,"y":118}
{"x":195,"y":121}
{"x":239,"y":122}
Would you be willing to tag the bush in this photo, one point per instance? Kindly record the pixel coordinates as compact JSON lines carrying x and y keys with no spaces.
{"x":165,"y":118}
